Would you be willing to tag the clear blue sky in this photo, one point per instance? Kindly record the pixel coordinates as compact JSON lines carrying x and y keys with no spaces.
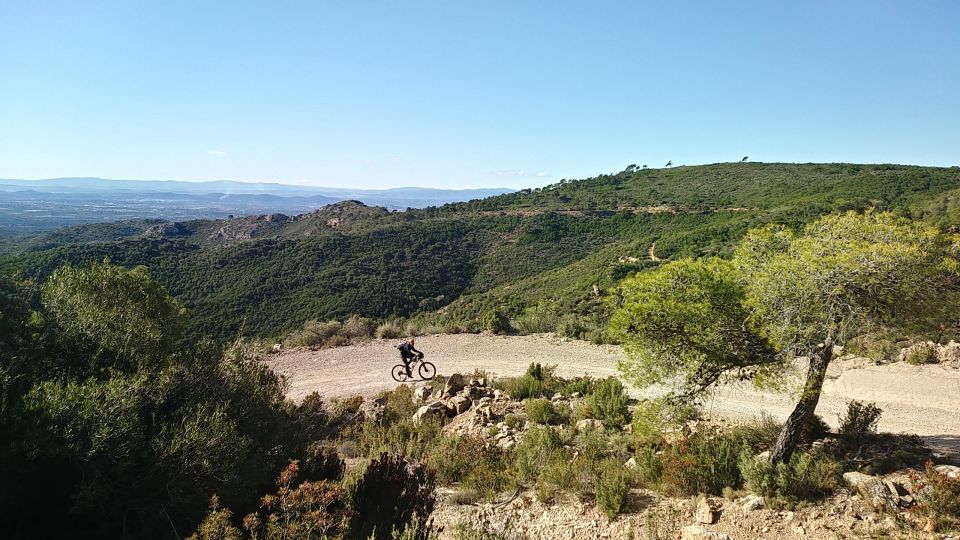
{"x":464,"y":94}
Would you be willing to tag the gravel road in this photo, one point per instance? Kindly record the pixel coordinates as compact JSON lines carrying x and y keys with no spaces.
{"x":915,"y":399}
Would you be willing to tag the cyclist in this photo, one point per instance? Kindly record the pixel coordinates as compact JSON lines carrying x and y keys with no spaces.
{"x":408,"y":353}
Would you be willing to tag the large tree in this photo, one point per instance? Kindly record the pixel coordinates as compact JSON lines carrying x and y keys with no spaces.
{"x":798,"y":294}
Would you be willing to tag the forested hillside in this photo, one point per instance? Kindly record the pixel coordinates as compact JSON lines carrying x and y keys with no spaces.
{"x":550,"y":251}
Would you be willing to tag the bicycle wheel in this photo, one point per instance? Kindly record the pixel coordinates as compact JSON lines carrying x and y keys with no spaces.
{"x":427,"y":370}
{"x":399,"y":373}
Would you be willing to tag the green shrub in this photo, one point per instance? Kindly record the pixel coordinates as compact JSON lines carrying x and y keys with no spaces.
{"x":524,"y":387}
{"x":357,"y":328}
{"x":806,"y":477}
{"x":388,"y":330}
{"x":701,"y":464}
{"x":609,"y":402}
{"x":939,"y":497}
{"x":539,"y":447}
{"x":583,"y":384}
{"x":539,"y":411}
{"x":562,"y":473}
{"x":879,"y":346}
{"x":860,"y":418}
{"x":481,"y":470}
{"x":513,"y":421}
{"x":393,"y":494}
{"x":759,"y":434}
{"x":612,"y":486}
{"x":495,"y":321}
{"x":538,"y":319}
{"x":649,"y":468}
{"x":921,"y":353}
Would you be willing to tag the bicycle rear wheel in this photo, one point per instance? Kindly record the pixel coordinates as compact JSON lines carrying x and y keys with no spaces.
{"x":427,"y":370}
{"x":399,"y":373}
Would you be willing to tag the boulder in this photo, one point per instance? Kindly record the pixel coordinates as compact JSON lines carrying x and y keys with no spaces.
{"x":422,"y":393}
{"x":631,"y":463}
{"x":699,"y":532}
{"x":435,"y":409}
{"x":873,"y":491}
{"x":708,"y":511}
{"x":951,"y":471}
{"x":475,"y":392}
{"x":753,"y":502}
{"x":588,"y":424}
{"x":950,"y":354}
{"x":557,"y":397}
{"x":454,"y":384}
{"x":460,"y":404}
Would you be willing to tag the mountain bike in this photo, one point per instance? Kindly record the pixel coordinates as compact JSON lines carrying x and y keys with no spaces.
{"x":425,"y":369}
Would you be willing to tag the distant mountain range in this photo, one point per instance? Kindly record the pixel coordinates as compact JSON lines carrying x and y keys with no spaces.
{"x":28,"y":206}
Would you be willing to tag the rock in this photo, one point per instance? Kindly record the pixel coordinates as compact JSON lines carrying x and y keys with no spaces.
{"x":557,"y":397}
{"x":949,"y":353}
{"x":454,"y":384}
{"x":422,"y":393}
{"x":873,"y":491}
{"x":707,"y":511}
{"x":699,"y":532}
{"x":475,"y":392}
{"x":430,"y":410}
{"x":171,"y":228}
{"x":481,"y":382}
{"x":460,"y":404}
{"x":277,"y":347}
{"x":631,"y":463}
{"x":588,"y":424}
{"x":753,"y":502}
{"x":575,"y":395}
{"x":951,"y":471}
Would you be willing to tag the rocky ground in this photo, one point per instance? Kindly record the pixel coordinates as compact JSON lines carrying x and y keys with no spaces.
{"x":867,"y":507}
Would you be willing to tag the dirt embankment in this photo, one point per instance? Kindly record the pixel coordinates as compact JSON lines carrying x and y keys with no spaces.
{"x":915,"y":399}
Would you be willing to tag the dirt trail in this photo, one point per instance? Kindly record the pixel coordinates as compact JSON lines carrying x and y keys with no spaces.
{"x":915,"y":399}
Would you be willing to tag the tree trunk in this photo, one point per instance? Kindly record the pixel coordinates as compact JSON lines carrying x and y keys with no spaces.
{"x":789,"y":436}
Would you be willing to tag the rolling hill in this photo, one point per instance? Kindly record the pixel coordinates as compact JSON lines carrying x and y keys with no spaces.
{"x":558,"y":249}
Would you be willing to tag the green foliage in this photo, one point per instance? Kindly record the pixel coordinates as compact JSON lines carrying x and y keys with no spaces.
{"x":649,"y":467}
{"x":495,"y":321}
{"x":609,"y":402}
{"x":686,"y":319}
{"x":124,"y":313}
{"x":612,"y":486}
{"x":392,"y":494}
{"x":846,"y":275}
{"x":513,"y":252}
{"x":470,"y":462}
{"x":218,"y":525}
{"x":860,"y":418}
{"x":939,"y":497}
{"x":806,"y":477}
{"x":921,"y":353}
{"x":701,"y":464}
{"x":542,"y":411}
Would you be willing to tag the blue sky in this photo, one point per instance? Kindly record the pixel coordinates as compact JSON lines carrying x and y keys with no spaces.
{"x":468,"y":94}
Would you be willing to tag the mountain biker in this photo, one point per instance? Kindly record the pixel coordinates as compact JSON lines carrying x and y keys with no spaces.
{"x":408,"y":353}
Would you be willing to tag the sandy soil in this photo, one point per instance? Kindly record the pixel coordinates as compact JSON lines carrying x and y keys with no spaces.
{"x":915,"y":399}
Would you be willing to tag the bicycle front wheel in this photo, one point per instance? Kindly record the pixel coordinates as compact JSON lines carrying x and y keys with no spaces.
{"x":399,"y":373}
{"x":427,"y":371}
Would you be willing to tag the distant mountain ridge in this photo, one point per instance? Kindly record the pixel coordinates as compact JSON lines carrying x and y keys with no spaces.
{"x":30,"y":206}
{"x":74,"y":184}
